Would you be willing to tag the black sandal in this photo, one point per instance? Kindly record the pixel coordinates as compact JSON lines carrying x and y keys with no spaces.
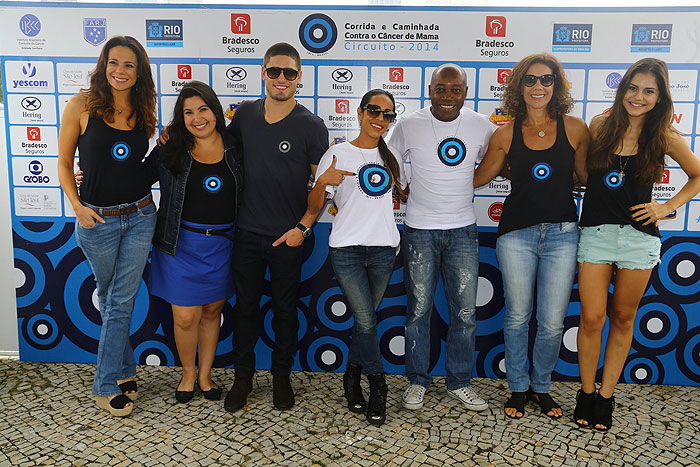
{"x":584,"y":408}
{"x":516,"y":401}
{"x":545,"y":401}
{"x":602,"y":412}
{"x":130,"y":389}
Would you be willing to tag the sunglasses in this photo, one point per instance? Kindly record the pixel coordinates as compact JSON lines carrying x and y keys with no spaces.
{"x":273,"y":72}
{"x":546,"y":80}
{"x":375,"y":111}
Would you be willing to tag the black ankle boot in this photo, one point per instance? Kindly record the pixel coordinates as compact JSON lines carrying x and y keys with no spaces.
{"x":376,"y":408}
{"x":351,"y":386}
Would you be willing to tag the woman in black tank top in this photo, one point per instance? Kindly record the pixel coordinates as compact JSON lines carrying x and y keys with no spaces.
{"x":537,"y":233}
{"x":110,"y":123}
{"x":619,"y":223}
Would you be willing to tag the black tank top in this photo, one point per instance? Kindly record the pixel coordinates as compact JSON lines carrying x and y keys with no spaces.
{"x":608,"y":196}
{"x":111,"y":163}
{"x":541,"y":183}
{"x":210,"y":194}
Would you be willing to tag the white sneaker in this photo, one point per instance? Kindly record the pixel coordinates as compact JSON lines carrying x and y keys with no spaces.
{"x":469,"y":398}
{"x":412,"y":398}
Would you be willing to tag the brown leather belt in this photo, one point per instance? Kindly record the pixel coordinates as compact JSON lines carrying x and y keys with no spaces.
{"x":124,"y":211}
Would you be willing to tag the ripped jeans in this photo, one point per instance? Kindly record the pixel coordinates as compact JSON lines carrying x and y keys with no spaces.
{"x":455,"y":254}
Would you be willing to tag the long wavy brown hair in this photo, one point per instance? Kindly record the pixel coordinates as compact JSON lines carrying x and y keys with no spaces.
{"x":100,"y":102}
{"x":653,"y":139}
{"x":561,"y":102}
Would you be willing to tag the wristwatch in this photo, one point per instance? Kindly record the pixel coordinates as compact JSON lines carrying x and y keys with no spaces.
{"x":305,"y":231}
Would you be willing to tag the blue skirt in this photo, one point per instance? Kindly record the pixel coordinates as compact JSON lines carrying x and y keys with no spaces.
{"x":199,"y":273}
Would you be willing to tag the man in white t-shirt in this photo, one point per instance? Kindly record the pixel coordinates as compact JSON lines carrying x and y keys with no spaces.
{"x":442,"y":142}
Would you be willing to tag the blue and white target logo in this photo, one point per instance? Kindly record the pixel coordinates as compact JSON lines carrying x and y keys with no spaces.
{"x":318,"y":33}
{"x":121,"y":151}
{"x":374,"y":180}
{"x":213,"y":183}
{"x":541,"y":171}
{"x":613,"y":180}
{"x":452,"y":151}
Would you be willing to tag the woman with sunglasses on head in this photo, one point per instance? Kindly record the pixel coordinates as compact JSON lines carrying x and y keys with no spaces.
{"x":620,"y":225}
{"x":199,"y":174}
{"x":110,"y":124}
{"x":537,"y":233}
{"x":360,"y":176}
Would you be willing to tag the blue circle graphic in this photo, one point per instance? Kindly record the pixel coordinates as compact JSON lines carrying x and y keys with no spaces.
{"x":213,"y":183}
{"x":121,"y":151}
{"x":452,"y":151}
{"x":374,"y":180}
{"x":613,"y":180}
{"x":309,"y":31}
{"x":541,"y":171}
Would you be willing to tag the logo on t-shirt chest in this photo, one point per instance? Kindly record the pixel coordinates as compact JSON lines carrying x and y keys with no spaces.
{"x":212,"y":183}
{"x":452,"y":151}
{"x":541,"y":171}
{"x":613,"y":180}
{"x":121,"y":151}
{"x":284,"y":146}
{"x":373,"y":180}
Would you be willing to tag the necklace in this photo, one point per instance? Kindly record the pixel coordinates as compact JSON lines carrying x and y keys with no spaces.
{"x":622,"y":167}
{"x":542,"y":132}
{"x":432,"y":123}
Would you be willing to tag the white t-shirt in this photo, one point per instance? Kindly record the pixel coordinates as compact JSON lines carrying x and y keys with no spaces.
{"x":365,"y":208}
{"x":442,"y":157}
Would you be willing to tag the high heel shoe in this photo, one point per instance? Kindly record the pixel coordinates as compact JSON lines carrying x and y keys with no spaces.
{"x":352,"y":388}
{"x":185,"y":396}
{"x":376,"y":407}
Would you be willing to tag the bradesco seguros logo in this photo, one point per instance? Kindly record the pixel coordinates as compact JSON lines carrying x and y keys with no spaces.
{"x":495,"y":27}
{"x":241,"y":40}
{"x":318,"y":33}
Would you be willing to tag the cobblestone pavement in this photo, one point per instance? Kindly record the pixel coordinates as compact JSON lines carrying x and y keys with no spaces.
{"x":49,"y":417}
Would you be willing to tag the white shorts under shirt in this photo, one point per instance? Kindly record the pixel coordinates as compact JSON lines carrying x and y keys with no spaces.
{"x":442,"y":157}
{"x":365,"y":208}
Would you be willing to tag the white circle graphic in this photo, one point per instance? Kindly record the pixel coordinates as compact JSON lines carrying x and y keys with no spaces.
{"x":685,"y":268}
{"x":569,"y":339}
{"x":484,"y":291}
{"x":397,"y":345}
{"x":20,"y":278}
{"x":338,"y":308}
{"x":153,"y":360}
{"x":328,"y":357}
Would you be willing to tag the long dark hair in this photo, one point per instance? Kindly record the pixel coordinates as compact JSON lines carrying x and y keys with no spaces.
{"x":100,"y":102}
{"x":561,"y":102}
{"x":387,"y":156}
{"x":653,"y":139}
{"x":180,"y":140}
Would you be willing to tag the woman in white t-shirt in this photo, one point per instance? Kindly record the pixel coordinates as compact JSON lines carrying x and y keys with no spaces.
{"x":360,"y":176}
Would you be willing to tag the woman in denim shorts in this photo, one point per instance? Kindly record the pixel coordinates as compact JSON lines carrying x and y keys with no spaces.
{"x":110,"y":124}
{"x":620,"y":225}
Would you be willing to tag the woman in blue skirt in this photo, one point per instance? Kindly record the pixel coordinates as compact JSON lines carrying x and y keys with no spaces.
{"x":199,"y":175}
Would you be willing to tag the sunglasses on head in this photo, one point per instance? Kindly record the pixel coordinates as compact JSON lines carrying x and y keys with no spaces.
{"x":546,"y":80}
{"x":375,"y":111}
{"x":273,"y":72}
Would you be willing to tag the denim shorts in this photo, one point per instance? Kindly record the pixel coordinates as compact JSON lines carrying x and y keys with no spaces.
{"x":621,"y":245}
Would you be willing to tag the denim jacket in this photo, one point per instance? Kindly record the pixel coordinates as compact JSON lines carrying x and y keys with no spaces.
{"x":172,"y":193}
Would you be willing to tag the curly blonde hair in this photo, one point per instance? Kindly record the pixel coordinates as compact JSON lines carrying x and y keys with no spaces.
{"x":513,"y":101}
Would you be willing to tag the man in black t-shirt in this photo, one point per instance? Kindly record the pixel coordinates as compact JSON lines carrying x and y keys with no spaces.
{"x":281,"y":143}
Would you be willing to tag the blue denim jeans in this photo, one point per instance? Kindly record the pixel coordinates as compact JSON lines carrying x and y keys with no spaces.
{"x":455,"y":254}
{"x":117,"y":252}
{"x":363,"y":273}
{"x":541,"y":258}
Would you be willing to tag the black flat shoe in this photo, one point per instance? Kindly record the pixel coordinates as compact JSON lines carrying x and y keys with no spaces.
{"x":185,"y":396}
{"x":213,"y":394}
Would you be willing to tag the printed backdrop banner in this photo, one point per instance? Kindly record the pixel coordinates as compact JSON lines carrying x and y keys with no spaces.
{"x":48,"y":50}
